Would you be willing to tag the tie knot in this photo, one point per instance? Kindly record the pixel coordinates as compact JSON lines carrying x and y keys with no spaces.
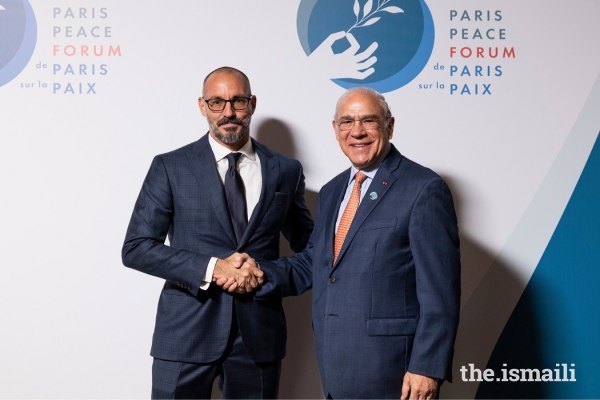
{"x":359,"y":177}
{"x":233,"y":159}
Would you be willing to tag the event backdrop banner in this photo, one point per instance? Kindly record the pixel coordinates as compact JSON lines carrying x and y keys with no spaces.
{"x":499,"y":97}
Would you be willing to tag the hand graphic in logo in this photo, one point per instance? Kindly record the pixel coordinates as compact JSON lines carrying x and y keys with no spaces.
{"x":348,"y":64}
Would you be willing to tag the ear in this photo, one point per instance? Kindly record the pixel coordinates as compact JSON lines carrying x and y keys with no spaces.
{"x":253,"y":104}
{"x":390,"y":127}
{"x":335,"y":130}
{"x":202,"y":106}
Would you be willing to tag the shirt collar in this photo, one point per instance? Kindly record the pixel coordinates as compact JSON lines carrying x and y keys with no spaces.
{"x":370,"y":174}
{"x":221,"y":151}
{"x":371,"y":170}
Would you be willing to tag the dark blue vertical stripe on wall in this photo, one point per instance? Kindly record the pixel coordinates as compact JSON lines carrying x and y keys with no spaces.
{"x":557,"y":319}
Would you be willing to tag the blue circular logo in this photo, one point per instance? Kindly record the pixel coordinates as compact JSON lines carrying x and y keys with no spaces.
{"x":18,"y":34}
{"x":382,"y":44}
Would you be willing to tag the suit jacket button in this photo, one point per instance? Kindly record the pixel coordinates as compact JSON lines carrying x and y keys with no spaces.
{"x":332,"y":279}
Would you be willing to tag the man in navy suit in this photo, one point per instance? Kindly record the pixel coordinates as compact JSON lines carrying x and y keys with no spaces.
{"x":383,"y":262}
{"x":223,"y":194}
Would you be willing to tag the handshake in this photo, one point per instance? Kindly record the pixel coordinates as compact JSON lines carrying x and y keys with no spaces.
{"x":238,"y":273}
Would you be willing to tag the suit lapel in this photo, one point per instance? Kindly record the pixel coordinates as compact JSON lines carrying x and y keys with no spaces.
{"x":339,"y":189}
{"x":269,"y":166}
{"x":203,"y":163}
{"x":383,"y":180}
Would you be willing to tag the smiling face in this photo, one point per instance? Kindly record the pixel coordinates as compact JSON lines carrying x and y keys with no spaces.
{"x":229,"y":127}
{"x":363,"y":146}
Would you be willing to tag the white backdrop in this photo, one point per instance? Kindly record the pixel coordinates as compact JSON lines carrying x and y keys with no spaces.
{"x":76,"y":323}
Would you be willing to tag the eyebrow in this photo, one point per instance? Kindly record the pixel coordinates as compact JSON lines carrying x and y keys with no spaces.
{"x":360,"y":117}
{"x":237,"y":96}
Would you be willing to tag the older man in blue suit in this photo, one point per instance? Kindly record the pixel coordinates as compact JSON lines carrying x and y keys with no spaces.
{"x":222,"y":194}
{"x":383,"y":263}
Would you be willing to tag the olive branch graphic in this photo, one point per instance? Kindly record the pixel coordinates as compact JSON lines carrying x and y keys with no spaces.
{"x":366,"y":19}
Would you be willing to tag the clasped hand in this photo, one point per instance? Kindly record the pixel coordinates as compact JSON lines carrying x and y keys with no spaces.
{"x":238,"y":273}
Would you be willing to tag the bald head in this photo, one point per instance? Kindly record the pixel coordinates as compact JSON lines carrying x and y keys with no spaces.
{"x":385,"y":109}
{"x":227,"y":71}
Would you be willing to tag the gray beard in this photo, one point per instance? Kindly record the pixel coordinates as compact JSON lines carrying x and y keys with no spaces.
{"x":232,"y":137}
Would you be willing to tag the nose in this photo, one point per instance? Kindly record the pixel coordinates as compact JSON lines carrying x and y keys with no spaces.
{"x":228,"y":111}
{"x":357,"y":130}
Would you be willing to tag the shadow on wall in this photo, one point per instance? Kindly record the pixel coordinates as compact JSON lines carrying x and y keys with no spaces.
{"x":496,"y":289}
{"x":300,"y":374}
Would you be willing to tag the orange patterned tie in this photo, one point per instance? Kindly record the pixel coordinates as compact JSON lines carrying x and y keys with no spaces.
{"x":348,"y":215}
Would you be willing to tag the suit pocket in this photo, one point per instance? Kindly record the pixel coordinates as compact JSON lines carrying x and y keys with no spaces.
{"x":391,"y":326}
{"x":280,"y":194}
{"x":379,"y":224}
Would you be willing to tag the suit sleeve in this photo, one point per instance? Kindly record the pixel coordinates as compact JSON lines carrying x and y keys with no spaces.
{"x":433,"y":235}
{"x":298,"y":223}
{"x":289,"y":276}
{"x":144,"y":248}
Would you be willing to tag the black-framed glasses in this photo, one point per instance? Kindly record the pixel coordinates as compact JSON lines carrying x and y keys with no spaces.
{"x":237,"y":103}
{"x":367,"y":122}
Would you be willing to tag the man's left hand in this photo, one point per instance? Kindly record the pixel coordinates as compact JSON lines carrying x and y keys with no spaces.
{"x":418,"y":387}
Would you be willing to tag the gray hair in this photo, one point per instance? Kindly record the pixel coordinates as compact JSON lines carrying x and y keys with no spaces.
{"x":363,"y":89}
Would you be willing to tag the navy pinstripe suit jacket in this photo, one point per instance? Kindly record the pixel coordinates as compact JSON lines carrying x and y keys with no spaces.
{"x":183,"y":197}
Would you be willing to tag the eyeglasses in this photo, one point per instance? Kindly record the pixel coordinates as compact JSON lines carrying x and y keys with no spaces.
{"x":238,"y":103}
{"x":368,"y":123}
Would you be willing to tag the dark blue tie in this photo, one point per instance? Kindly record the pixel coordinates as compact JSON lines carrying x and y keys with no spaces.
{"x":236,"y":199}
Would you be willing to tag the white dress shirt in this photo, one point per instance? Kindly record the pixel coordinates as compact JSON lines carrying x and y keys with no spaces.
{"x":249,"y":169}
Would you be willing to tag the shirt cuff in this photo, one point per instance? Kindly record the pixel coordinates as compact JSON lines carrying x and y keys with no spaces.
{"x":207,"y":278}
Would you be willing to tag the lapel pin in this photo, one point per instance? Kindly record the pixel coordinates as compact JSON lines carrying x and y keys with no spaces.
{"x":384,"y":182}
{"x":373,"y":195}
